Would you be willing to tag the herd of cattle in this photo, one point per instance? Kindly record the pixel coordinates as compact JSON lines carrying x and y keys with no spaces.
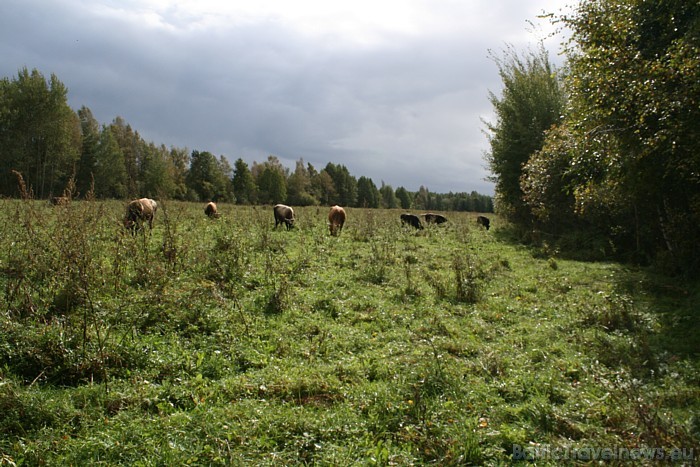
{"x":144,"y":210}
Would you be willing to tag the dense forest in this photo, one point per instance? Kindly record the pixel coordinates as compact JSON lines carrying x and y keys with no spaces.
{"x":50,"y":145}
{"x":603,"y":154}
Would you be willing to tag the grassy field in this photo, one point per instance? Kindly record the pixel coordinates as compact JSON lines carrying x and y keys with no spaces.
{"x":218,"y":342}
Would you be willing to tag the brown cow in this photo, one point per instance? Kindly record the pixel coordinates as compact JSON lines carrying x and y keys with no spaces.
{"x":336,"y":219}
{"x":211,"y":211}
{"x":138,"y":211}
{"x":284,"y":214}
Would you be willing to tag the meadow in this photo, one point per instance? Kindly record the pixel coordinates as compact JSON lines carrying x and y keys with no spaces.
{"x":226,"y":342}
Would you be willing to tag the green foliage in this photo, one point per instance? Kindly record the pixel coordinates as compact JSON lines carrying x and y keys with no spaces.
{"x":367,"y":193}
{"x":404,"y":197}
{"x":532,"y":101}
{"x":109,"y":171}
{"x":90,"y":131}
{"x":155,"y":176}
{"x":129,"y":144}
{"x":546,"y":182}
{"x":345,"y":185}
{"x":121,"y":164}
{"x":299,"y":186}
{"x":322,"y":187}
{"x":178,"y":166}
{"x":388,"y":197}
{"x":243,"y":183}
{"x":209,"y":177}
{"x":423,"y":199}
{"x":633,"y":81}
{"x":271,"y":181}
{"x":40,"y":134}
{"x":621,"y":164}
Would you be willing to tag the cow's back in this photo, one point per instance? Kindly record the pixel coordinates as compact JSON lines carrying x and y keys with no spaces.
{"x":336,"y":219}
{"x":283,"y":214}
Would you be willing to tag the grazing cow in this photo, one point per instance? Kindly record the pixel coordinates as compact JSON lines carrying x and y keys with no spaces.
{"x":412,"y":220}
{"x":483,"y":221}
{"x":138,"y":211}
{"x":60,"y":200}
{"x":284,"y":214}
{"x":211,"y":211}
{"x":336,"y":219}
{"x":432,"y":218}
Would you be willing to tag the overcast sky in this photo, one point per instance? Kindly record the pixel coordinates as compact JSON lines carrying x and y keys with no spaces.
{"x":395,"y":90}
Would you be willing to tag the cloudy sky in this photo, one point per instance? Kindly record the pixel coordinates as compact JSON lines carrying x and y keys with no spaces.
{"x":395,"y":90}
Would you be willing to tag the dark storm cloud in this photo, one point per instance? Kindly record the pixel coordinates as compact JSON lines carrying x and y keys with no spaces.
{"x":406,"y":110}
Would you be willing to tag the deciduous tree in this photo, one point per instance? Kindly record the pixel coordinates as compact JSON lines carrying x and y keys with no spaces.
{"x":207,"y":177}
{"x":299,"y":186}
{"x":271,"y":180}
{"x":404,"y":198}
{"x":243,"y":183}
{"x":635,"y":105}
{"x":111,"y":180}
{"x":322,"y":187}
{"x":388,"y":198}
{"x":367,"y":193}
{"x":90,"y":130}
{"x":345,"y":185}
{"x":39,"y":133}
{"x":532,"y":100}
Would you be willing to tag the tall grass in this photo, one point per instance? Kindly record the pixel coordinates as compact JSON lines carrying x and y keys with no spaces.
{"x":228,"y":342}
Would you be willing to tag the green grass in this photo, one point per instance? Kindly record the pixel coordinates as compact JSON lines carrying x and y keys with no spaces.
{"x":218,"y":342}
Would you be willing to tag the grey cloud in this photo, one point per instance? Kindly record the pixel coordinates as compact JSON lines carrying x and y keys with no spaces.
{"x":406,"y":112}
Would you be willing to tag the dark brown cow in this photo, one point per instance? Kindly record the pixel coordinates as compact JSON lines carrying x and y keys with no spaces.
{"x":483,"y":221}
{"x":211,"y":211}
{"x":432,"y":218}
{"x":284,"y":214}
{"x":138,"y":211}
{"x":412,"y":220}
{"x":336,"y":220}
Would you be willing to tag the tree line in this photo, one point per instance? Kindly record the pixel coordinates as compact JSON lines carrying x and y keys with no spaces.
{"x":604,"y":151}
{"x":47,"y":142}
